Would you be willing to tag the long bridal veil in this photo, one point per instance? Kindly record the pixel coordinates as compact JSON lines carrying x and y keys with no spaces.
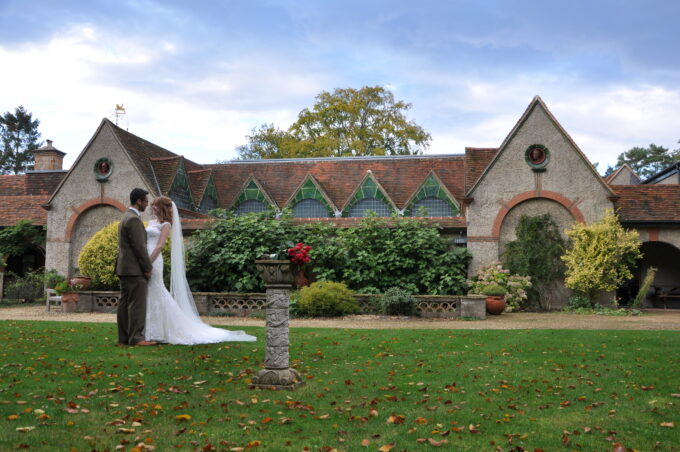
{"x":179,"y":287}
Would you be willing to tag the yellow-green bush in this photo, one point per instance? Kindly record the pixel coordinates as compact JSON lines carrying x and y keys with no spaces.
{"x":98,"y":258}
{"x":327,"y":299}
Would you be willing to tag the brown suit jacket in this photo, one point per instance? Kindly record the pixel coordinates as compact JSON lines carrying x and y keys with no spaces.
{"x":133,"y":258}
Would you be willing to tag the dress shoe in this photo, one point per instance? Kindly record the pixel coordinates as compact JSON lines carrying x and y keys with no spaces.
{"x":146,"y":343}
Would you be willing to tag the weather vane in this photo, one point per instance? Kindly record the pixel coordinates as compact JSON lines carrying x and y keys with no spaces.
{"x":119,"y":112}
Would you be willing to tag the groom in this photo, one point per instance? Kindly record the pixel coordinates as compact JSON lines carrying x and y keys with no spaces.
{"x":133,"y":267}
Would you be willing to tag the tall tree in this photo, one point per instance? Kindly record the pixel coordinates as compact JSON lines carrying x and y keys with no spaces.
{"x":647,"y":161}
{"x":19,"y":135}
{"x":344,"y":123}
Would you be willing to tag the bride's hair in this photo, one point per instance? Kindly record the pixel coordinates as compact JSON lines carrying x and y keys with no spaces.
{"x":164,"y":205}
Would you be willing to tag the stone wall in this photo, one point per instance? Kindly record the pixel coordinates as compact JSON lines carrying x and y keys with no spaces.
{"x":511,"y":188}
{"x":83,"y":205}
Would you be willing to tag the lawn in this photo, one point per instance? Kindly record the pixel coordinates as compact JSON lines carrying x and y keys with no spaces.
{"x":66,"y":386}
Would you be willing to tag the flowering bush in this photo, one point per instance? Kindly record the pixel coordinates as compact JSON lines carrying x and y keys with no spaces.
{"x":299,"y":254}
{"x":67,"y":287}
{"x":515,"y":285}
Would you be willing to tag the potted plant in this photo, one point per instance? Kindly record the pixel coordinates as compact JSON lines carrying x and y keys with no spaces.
{"x":495,"y":299}
{"x":69,"y":295}
{"x":299,"y":257}
{"x":84,"y":281}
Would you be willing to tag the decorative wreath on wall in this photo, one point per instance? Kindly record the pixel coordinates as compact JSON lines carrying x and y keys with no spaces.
{"x":537,"y":157}
{"x":103,"y":169}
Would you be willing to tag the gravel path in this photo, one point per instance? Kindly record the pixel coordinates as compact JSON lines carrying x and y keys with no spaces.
{"x":653,"y":319}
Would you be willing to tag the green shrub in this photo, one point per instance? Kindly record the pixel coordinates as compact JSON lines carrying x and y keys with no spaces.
{"x":397,"y":301}
{"x":97,"y":259}
{"x":536,"y":253}
{"x":327,"y":299}
{"x":29,"y":288}
{"x":53,"y":278}
{"x":515,"y":285}
{"x":222,"y":258}
{"x":644,"y":288}
{"x":494,"y":290}
{"x":600,"y":255}
{"x":578,"y":301}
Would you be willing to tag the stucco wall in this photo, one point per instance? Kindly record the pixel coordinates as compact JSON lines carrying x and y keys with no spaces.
{"x":538,"y":206}
{"x":80,"y":188}
{"x":567,"y":174}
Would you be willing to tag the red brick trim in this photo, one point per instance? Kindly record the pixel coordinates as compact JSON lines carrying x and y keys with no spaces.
{"x":527,"y":195}
{"x":653,"y":234}
{"x":77,"y":211}
{"x":482,"y":239}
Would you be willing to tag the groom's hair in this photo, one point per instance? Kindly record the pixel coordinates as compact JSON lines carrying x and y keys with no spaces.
{"x":136,"y":194}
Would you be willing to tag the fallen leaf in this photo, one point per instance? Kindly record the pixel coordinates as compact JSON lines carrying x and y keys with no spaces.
{"x":421,"y":420}
{"x":667,"y":424}
{"x":183,"y":417}
{"x":436,"y":443}
{"x":365,"y":442}
{"x":25,"y":429}
{"x":386,"y":448}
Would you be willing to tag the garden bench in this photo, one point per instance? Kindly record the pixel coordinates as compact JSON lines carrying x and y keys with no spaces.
{"x":667,"y":295}
{"x":51,"y":297}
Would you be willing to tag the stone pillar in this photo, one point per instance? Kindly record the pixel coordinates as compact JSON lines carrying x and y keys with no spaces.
{"x":277,"y":374}
{"x":472,"y":307}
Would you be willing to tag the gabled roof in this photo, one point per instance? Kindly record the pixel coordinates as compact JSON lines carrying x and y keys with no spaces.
{"x":648,"y":203}
{"x":621,"y":172}
{"x":142,"y":152}
{"x":476,"y":159}
{"x":663,"y":174}
{"x":165,"y":170}
{"x":537,"y":102}
{"x":400,"y":177}
{"x":198,"y":181}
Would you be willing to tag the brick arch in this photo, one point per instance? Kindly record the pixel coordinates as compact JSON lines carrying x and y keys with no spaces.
{"x":77,"y":211}
{"x":527,"y":195}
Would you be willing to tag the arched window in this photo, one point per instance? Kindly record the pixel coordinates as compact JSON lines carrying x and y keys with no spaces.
{"x":310,"y":208}
{"x":431,"y":207}
{"x":250,"y":206}
{"x":363,"y":206}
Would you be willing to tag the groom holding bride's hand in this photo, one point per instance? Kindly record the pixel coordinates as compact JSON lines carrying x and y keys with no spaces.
{"x":134,"y":269}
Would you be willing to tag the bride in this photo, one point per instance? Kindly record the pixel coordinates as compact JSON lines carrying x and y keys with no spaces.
{"x":172,"y":317}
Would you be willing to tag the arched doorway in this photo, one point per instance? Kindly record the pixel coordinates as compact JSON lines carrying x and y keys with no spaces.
{"x":665,"y":290}
{"x":86,"y":225}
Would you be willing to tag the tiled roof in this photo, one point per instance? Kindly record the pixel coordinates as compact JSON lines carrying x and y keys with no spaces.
{"x":400,"y":177}
{"x":22,"y":195}
{"x":23,"y":207}
{"x":43,"y":182}
{"x":12,"y":185}
{"x":476,"y":160}
{"x":648,"y":203}
{"x":165,"y":170}
{"x":141,"y":151}
{"x":192,"y":224}
{"x":198,"y":181}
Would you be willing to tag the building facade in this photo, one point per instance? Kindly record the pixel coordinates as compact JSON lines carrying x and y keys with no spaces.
{"x":477,"y":197}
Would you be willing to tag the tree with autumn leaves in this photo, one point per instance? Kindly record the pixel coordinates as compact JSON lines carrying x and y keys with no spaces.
{"x":345,"y":123}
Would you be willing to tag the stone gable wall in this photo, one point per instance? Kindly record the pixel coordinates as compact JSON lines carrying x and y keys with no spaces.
{"x":77,"y":210}
{"x":567,"y":178}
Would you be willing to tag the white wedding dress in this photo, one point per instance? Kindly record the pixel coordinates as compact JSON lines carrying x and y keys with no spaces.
{"x":174,"y":319}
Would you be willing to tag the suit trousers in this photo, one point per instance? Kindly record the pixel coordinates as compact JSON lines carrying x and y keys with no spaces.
{"x":132,"y":309}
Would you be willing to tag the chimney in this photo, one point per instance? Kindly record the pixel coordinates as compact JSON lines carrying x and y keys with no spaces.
{"x":48,"y":158}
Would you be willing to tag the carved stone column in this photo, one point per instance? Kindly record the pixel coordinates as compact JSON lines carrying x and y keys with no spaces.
{"x":278,"y":280}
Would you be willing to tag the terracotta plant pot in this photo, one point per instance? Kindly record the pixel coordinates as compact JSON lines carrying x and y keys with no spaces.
{"x":84,"y":281}
{"x":69,"y":301}
{"x":495,"y":305}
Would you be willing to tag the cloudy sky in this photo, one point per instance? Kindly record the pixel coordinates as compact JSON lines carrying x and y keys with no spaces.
{"x":196,"y":76}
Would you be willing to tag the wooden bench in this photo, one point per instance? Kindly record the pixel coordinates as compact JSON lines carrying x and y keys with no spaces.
{"x":52,"y":297}
{"x":667,"y":294}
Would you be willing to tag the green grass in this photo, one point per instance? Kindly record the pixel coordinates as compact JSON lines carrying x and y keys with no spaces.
{"x":477,"y":390}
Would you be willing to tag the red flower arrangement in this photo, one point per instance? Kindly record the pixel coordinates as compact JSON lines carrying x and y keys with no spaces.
{"x":299,"y":254}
